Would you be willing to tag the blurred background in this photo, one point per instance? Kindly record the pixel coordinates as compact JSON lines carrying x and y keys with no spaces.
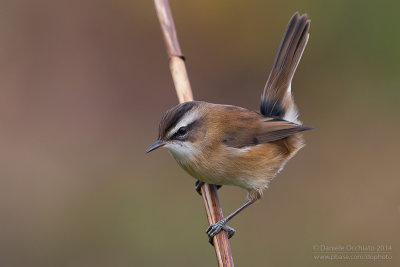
{"x":85,"y":83}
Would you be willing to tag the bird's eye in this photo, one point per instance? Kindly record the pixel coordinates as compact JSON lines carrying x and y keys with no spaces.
{"x":182,"y":131}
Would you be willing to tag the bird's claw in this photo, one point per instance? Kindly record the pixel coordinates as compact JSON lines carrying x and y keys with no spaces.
{"x":214,"y":229}
{"x":199,"y":184}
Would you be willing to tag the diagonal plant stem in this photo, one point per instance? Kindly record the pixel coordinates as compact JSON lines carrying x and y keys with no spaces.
{"x":184,"y":92}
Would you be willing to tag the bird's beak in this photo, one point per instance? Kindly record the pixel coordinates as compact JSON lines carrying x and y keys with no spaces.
{"x":155,"y":145}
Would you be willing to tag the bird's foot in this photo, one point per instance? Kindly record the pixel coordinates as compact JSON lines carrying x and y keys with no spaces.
{"x":199,"y":184}
{"x":214,"y":229}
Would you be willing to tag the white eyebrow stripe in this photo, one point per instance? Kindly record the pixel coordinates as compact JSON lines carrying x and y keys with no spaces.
{"x":187,"y":119}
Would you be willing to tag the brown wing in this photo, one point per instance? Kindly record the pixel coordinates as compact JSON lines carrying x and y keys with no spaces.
{"x":268,"y":130}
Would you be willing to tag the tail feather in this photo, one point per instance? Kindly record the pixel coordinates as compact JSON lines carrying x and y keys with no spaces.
{"x":276,"y":100}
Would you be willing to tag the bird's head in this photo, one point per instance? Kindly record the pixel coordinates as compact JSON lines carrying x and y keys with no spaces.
{"x":181,"y":130}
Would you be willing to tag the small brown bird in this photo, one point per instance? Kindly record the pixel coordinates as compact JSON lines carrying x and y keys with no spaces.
{"x":230,"y":145}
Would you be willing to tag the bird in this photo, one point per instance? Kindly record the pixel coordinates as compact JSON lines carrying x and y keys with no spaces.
{"x":230,"y":145}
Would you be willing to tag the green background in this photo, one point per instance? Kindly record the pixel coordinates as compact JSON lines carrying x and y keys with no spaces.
{"x":85,"y":83}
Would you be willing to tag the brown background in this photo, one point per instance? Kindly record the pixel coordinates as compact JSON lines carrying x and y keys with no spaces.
{"x":84,"y":83}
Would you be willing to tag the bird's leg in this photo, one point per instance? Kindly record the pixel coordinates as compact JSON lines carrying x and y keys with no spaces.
{"x":214,"y":229}
{"x":199,"y":184}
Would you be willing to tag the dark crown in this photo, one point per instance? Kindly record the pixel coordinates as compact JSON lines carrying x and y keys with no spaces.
{"x":173,"y":116}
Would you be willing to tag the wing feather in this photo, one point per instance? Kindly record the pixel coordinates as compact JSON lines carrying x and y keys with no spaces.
{"x":267,"y":131}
